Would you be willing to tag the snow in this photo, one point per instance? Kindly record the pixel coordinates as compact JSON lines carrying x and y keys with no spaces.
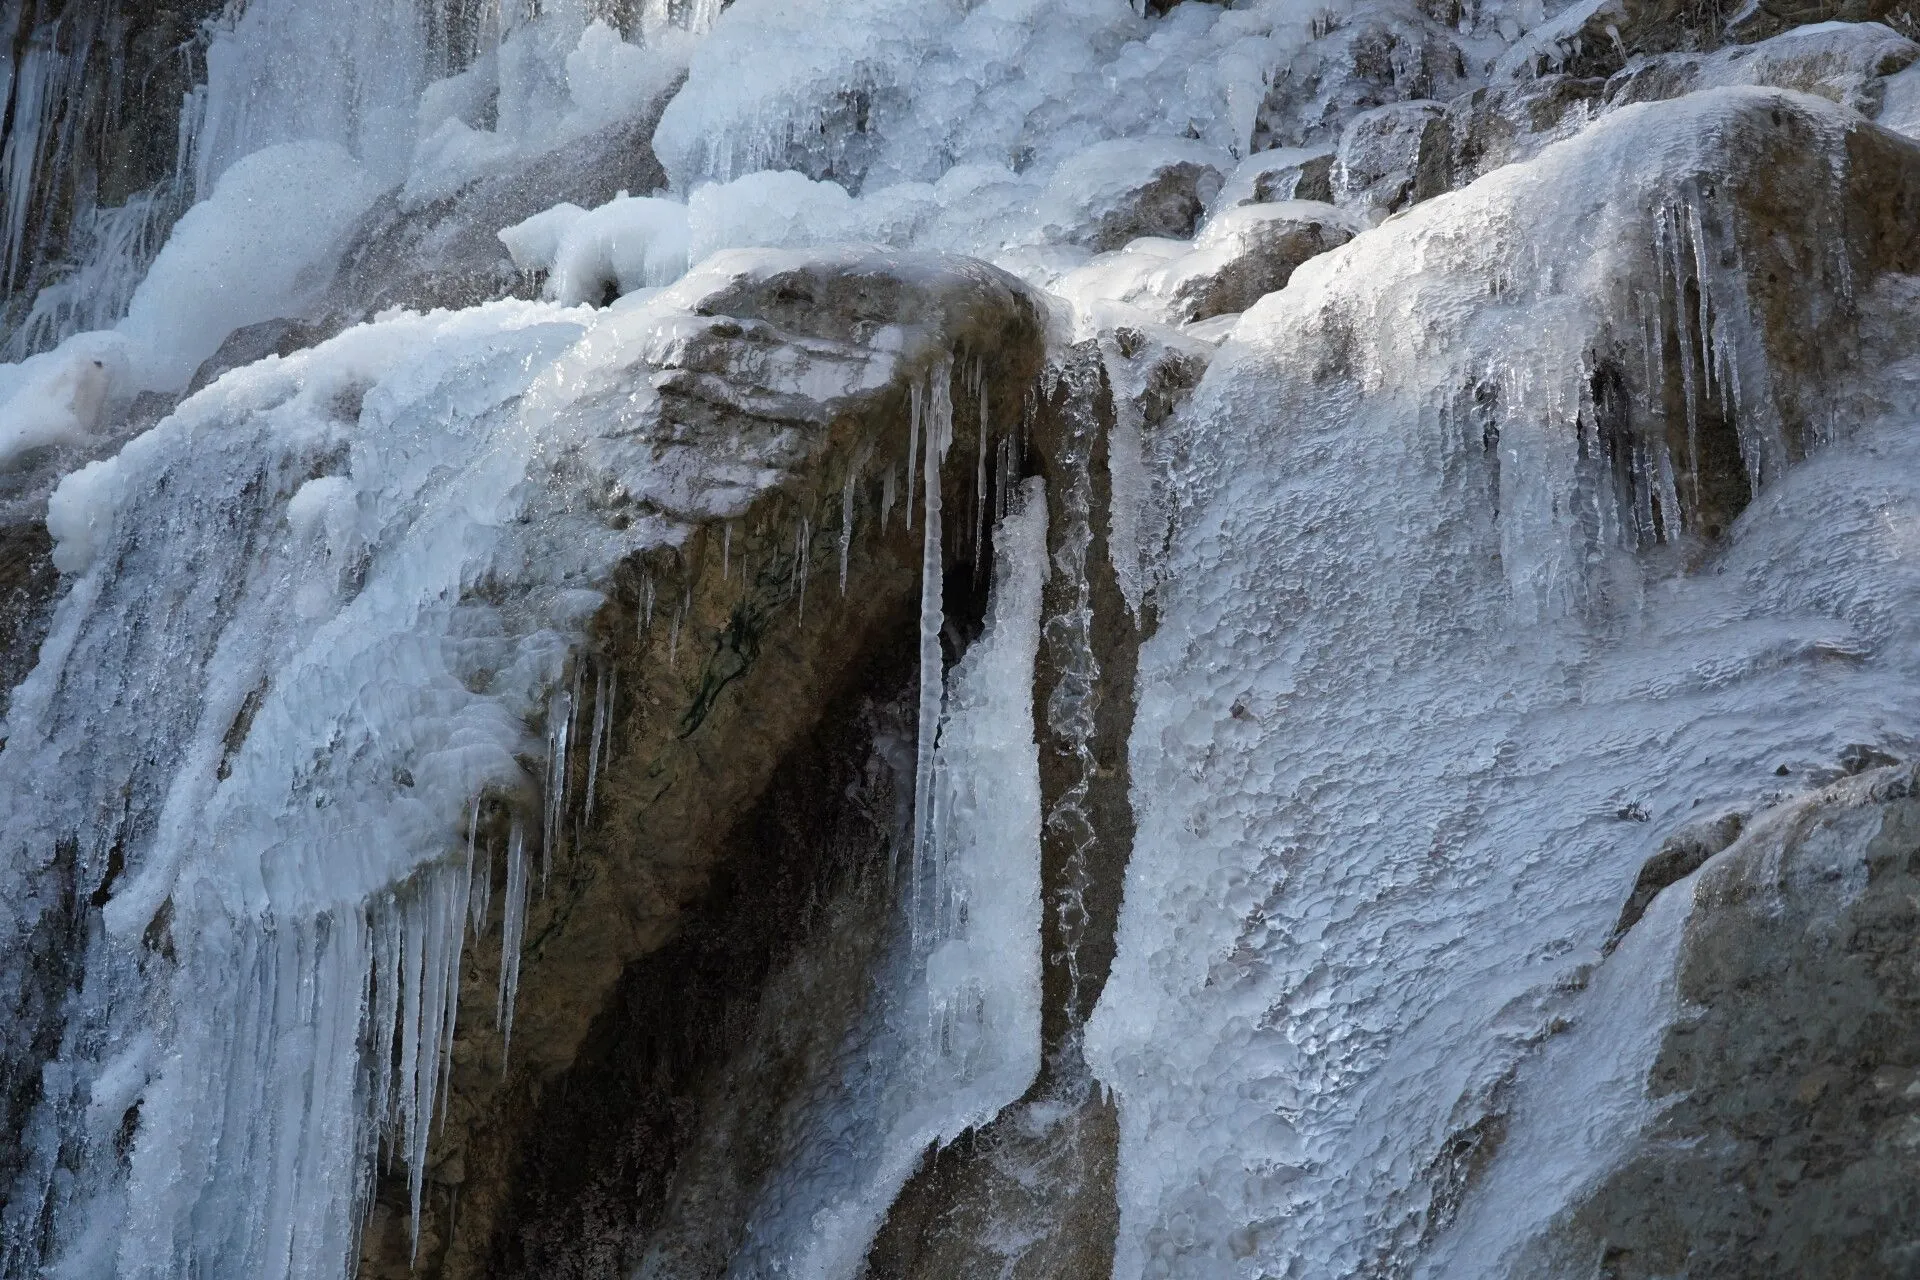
{"x":630,"y":243}
{"x":58,"y":397}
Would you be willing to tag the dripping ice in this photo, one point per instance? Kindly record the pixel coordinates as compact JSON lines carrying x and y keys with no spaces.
{"x":954,"y":1035}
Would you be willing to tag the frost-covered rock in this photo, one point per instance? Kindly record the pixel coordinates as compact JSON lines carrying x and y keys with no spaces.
{"x":447,"y":252}
{"x":1509,"y":122}
{"x":1121,"y":190}
{"x":1784,"y":1072}
{"x":1285,"y":173}
{"x":1900,"y":103}
{"x":441,"y":505}
{"x":1844,"y":62}
{"x":1599,"y":37}
{"x":1381,"y":54}
{"x":1245,"y":253}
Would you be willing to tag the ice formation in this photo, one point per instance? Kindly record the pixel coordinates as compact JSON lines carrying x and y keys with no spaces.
{"x":955,"y":1034}
{"x":1413,"y":697}
{"x":1438,"y":649}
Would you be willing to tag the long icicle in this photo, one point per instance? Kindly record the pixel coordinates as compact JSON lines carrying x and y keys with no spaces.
{"x":935,"y":405}
{"x":512,"y":930}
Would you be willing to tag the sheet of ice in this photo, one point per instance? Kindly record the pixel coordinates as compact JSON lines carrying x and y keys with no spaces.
{"x":1418,"y":706}
{"x":114,"y":252}
{"x":336,"y":71}
{"x":954,"y":1033}
{"x":908,"y":91}
{"x":553,"y":79}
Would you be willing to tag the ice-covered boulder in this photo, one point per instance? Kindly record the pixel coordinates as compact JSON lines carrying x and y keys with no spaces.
{"x":1900,"y":103}
{"x":1284,"y":173}
{"x":1845,"y":62}
{"x":1600,"y":37}
{"x":1504,"y":123}
{"x":1380,"y":54}
{"x":1786,"y":1066}
{"x":1245,"y":253}
{"x":446,"y":252}
{"x":1118,"y":191}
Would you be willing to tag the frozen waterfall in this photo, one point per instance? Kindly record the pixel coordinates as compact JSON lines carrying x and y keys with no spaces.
{"x":1059,"y":638}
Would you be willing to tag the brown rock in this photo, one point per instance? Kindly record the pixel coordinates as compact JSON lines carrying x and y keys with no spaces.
{"x":640,"y":978}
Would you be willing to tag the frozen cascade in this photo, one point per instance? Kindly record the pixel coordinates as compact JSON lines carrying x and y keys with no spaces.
{"x":1443,"y":648}
{"x":954,"y":1035}
{"x":1421,"y":675}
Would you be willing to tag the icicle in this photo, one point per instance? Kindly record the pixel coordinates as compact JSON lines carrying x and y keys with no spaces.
{"x":726,"y":550}
{"x":480,"y":899}
{"x":804,"y":561}
{"x":846,"y":527}
{"x":980,"y":471}
{"x":916,"y":397}
{"x":799,"y":540}
{"x":935,"y":399}
{"x":560,"y":715}
{"x":887,"y":486}
{"x":513,"y":927}
{"x":454,"y":922}
{"x":598,"y":737}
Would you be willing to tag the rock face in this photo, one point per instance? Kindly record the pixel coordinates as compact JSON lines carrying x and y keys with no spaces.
{"x":1788,"y":1091}
{"x":732,"y":703}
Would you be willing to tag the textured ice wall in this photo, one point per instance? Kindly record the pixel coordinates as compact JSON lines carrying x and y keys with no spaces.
{"x":1416,"y":712}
